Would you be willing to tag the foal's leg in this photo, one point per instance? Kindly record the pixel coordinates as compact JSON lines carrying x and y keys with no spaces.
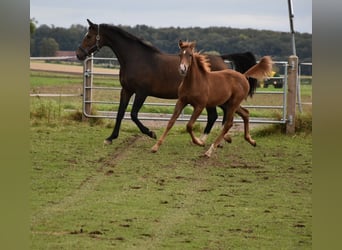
{"x":197,"y":111}
{"x":225,"y":129}
{"x":244,"y":113}
{"x":137,"y":104}
{"x":125,"y":96}
{"x":226,"y":137}
{"x":178,"y":109}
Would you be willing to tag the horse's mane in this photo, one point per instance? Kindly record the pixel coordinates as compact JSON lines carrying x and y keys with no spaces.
{"x":202,"y":61}
{"x":131,"y":37}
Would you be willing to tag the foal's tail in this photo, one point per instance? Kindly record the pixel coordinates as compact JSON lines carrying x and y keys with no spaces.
{"x":259,"y":71}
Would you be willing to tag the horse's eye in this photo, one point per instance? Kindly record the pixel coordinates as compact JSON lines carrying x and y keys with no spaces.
{"x":88,"y":36}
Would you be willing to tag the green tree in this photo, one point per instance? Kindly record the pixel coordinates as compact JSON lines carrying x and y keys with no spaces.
{"x":223,"y":40}
{"x":33,"y":27}
{"x":48,"y":47}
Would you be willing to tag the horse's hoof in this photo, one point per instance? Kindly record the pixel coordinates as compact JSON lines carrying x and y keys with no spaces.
{"x":207,"y":154}
{"x":203,"y":138}
{"x":154,"y":149}
{"x":198,"y":142}
{"x":152,"y":135}
{"x":221,"y":144}
{"x":210,"y":151}
{"x":227,"y":138}
{"x":107,"y":142}
{"x":252,"y":142}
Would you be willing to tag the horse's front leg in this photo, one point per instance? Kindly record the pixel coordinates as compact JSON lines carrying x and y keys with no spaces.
{"x":178,"y":109}
{"x":197,"y":111}
{"x":125,"y":96}
{"x":137,"y":104}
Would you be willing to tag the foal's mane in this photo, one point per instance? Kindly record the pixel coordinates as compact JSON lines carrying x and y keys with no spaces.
{"x":202,"y":61}
{"x":131,"y":37}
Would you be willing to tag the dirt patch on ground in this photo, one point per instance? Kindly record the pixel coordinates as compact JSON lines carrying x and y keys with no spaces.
{"x":74,"y":69}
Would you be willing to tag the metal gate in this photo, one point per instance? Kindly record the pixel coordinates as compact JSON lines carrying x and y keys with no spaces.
{"x":105,"y":105}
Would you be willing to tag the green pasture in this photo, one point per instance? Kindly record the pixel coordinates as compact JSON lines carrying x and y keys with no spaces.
{"x":84,"y":195}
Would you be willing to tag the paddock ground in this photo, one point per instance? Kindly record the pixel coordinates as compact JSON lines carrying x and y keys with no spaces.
{"x":84,"y":195}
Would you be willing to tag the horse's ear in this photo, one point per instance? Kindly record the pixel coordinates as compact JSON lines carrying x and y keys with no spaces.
{"x":180,"y":44}
{"x":89,"y":22}
{"x":193,"y":45}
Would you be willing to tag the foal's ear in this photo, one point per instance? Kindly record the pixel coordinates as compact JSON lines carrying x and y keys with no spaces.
{"x":180,"y":44}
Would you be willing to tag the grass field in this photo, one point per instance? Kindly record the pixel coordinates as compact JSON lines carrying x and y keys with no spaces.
{"x":86,"y":196}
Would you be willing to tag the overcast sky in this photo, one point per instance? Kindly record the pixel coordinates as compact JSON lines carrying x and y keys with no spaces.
{"x":257,"y":14}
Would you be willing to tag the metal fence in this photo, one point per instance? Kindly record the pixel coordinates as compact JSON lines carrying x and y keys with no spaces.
{"x":90,"y":100}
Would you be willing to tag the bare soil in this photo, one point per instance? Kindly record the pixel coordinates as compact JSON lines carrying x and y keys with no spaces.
{"x":75,"y":69}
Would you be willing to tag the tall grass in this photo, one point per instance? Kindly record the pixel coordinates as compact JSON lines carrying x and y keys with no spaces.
{"x":46,"y":109}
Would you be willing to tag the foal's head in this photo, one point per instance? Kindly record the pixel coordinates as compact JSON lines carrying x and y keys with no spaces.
{"x":187,"y":56}
{"x":187,"y":50}
{"x":91,"y":41}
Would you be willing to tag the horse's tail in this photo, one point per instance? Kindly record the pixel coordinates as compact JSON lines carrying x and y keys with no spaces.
{"x":241,"y":61}
{"x":259,"y":71}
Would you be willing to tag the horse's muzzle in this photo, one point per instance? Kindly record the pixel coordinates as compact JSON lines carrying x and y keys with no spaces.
{"x":81,"y":54}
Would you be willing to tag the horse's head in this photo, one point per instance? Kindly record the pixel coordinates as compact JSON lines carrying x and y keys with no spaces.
{"x":187,"y":50}
{"x":91,"y":41}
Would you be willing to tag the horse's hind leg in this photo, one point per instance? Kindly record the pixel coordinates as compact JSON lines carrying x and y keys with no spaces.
{"x":224,"y":131}
{"x":231,"y":109}
{"x":137,"y":104}
{"x":125,"y":96}
{"x":212,"y":116}
{"x":244,"y":113}
{"x":226,"y":137}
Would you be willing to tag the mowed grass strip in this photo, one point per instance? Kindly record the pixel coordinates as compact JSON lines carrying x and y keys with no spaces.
{"x":86,"y":196}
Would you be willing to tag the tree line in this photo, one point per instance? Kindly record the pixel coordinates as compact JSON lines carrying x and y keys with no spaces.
{"x":46,"y":40}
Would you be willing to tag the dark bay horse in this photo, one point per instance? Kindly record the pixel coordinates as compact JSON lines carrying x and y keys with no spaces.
{"x":146,"y":71}
{"x":202,"y":88}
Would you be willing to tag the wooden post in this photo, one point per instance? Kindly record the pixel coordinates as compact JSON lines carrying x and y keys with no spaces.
{"x":291,"y":94}
{"x":88,"y":80}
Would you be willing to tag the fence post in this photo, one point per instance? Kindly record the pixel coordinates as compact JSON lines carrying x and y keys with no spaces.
{"x":88,"y":80}
{"x":291,"y":94}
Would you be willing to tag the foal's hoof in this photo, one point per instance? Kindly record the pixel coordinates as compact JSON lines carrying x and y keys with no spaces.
{"x":154,"y":149}
{"x":252,"y":142}
{"x":198,"y":142}
{"x":227,"y":138}
{"x":210,"y":151}
{"x":107,"y":142}
{"x":152,"y":135}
